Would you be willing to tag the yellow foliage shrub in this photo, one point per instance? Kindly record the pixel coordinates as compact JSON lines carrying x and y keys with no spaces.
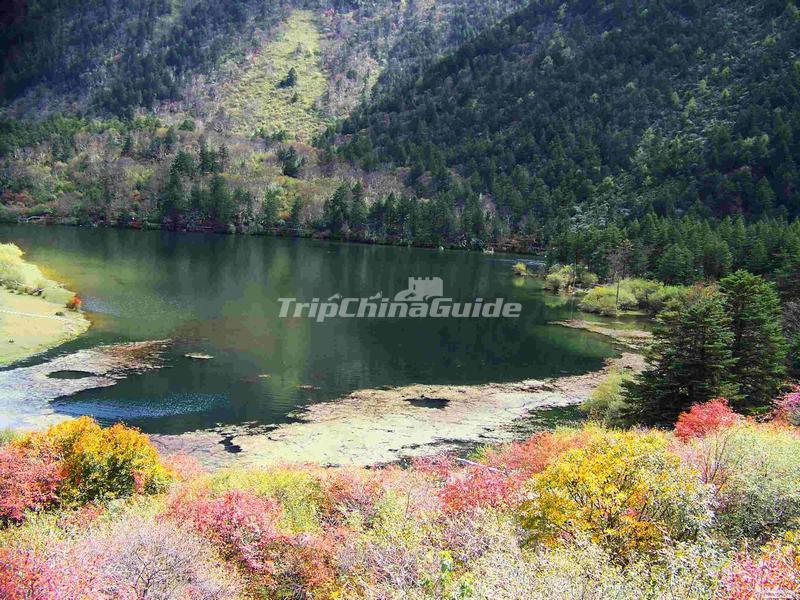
{"x":101,"y":463}
{"x":624,"y":490}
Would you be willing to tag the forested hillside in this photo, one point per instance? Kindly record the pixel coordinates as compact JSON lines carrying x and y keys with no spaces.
{"x":584,"y":113}
{"x":576,"y":126}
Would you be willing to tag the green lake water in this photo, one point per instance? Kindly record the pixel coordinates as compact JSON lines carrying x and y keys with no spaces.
{"x":218,"y":295}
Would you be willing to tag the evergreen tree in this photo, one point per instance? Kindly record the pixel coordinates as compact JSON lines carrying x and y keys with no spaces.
{"x":296,"y":214}
{"x":689,"y":361}
{"x":221,"y":204}
{"x":676,"y":265}
{"x":335,"y":210}
{"x":174,"y":196}
{"x":758,"y":348}
{"x":270,"y":208}
{"x":358,"y":211}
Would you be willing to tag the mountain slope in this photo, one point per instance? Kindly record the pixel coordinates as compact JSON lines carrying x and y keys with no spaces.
{"x":617,"y":104}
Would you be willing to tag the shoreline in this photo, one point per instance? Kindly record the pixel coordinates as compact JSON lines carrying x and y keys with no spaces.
{"x":510,"y":248}
{"x":30,"y":325}
{"x":633,"y":339}
{"x":374,"y":427}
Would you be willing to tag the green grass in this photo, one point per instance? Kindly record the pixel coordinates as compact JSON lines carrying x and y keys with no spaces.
{"x":257,"y":100}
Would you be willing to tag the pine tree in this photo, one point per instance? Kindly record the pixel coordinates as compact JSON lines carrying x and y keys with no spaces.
{"x":174,"y":196}
{"x":759,"y":348}
{"x":358,"y":211}
{"x":269,"y":210}
{"x":689,"y":360}
{"x":335,"y":210}
{"x":295,"y":216}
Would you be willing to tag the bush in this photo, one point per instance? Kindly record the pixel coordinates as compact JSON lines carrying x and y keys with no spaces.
{"x":703,"y":419}
{"x":773,"y":573}
{"x":28,"y":481}
{"x":603,"y":300}
{"x":241,"y":524}
{"x":245,"y":527}
{"x":757,"y":475}
{"x":139,"y":558}
{"x":624,"y":491}
{"x":16,"y":273}
{"x":98,"y":463}
{"x":299,"y":493}
{"x":664,"y":296}
{"x":644,"y":294}
{"x":564,"y":277}
{"x":607,"y":403}
{"x":786,"y":409}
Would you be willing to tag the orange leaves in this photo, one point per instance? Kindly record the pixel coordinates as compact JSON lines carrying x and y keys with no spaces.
{"x":705,"y":418}
{"x":624,"y":491}
{"x":77,"y":462}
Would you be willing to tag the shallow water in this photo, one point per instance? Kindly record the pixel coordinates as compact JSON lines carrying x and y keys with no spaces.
{"x":218,"y":295}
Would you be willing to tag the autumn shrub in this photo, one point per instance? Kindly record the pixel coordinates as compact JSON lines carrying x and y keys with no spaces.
{"x":15,"y":272}
{"x":100,"y":463}
{"x":584,"y":570}
{"x":241,"y":524}
{"x":395,"y":555}
{"x":705,"y":418}
{"x":787,"y":407}
{"x":245,"y":527}
{"x":351,"y":496}
{"x":481,"y":487}
{"x":624,"y":491}
{"x":774,"y":572}
{"x":758,"y":479}
{"x":144,"y":558}
{"x":128,"y":559}
{"x":29,"y":480}
{"x":26,"y":575}
{"x":297,"y":490}
{"x":607,"y":404}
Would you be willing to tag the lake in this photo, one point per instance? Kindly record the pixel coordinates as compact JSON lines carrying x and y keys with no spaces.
{"x":219,"y":295}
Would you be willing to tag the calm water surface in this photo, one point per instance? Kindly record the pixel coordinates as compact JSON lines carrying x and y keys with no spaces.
{"x":218,"y":294}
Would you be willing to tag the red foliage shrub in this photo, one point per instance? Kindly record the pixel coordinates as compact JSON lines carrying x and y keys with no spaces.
{"x":244,"y":526}
{"x":28,"y":480}
{"x":481,"y":487}
{"x":74,"y":303}
{"x":532,"y":455}
{"x":705,"y":418}
{"x":28,"y":575}
{"x":240,"y":523}
{"x":25,"y":576}
{"x":773,"y":574}
{"x":347,"y":491}
{"x":787,"y":408}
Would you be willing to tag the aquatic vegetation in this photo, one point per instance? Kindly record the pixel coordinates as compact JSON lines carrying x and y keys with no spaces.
{"x":707,"y":511}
